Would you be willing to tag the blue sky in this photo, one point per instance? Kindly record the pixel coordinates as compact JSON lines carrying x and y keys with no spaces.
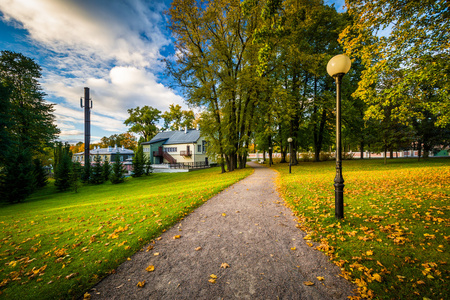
{"x":113,"y":47}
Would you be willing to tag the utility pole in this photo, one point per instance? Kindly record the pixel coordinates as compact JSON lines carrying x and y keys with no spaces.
{"x":87,"y":124}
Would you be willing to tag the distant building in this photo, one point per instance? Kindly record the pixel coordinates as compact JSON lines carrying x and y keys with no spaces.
{"x":185,"y":147}
{"x":107,"y":154}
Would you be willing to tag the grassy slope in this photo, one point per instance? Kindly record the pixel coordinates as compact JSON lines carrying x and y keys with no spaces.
{"x":57,"y":245}
{"x":394,"y":239}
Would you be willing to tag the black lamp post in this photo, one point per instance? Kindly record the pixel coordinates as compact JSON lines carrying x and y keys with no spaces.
{"x":337,"y":67}
{"x":290,"y":153}
{"x":270,"y":156}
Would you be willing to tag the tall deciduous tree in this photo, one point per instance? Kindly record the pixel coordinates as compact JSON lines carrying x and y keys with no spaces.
{"x":176,"y":118}
{"x":214,"y":42}
{"x":407,"y":38}
{"x":143,"y":121}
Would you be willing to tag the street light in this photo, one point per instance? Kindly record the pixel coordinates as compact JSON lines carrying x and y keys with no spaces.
{"x":290,"y":153}
{"x":337,"y":67}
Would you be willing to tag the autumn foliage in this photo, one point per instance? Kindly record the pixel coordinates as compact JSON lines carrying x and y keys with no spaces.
{"x":393,"y":240}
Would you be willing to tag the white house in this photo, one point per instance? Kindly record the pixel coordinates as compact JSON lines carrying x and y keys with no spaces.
{"x":107,"y":154}
{"x":186,"y":147}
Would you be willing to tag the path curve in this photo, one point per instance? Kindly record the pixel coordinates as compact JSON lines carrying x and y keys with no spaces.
{"x":254,"y":237}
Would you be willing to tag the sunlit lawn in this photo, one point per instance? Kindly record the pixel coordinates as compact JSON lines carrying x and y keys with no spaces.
{"x":394,"y":239}
{"x":57,"y":245}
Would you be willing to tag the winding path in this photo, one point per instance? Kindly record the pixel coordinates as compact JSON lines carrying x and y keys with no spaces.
{"x":246,"y":227}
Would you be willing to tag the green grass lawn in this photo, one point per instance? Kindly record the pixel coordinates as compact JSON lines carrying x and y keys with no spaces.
{"x":394,"y":239}
{"x":57,"y":245}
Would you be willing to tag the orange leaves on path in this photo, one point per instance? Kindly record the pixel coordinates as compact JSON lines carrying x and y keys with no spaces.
{"x":140,"y":284}
{"x":150,"y":268}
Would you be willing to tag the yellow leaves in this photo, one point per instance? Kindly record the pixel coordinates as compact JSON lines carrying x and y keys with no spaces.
{"x":376,"y":277}
{"x":141,"y":284}
{"x":369,"y":253}
{"x":307,"y":237}
{"x":320,"y":278}
{"x":224,"y":214}
{"x":198,"y":248}
{"x":150,"y":268}
{"x":309,"y":244}
{"x":429,"y":236}
{"x":12,"y":263}
{"x":308,"y":283}
{"x":149,"y":248}
{"x":293,"y":248}
{"x":61,"y":252}
{"x":224,"y":265}
{"x":113,"y":236}
{"x":176,"y":237}
{"x":212,"y":278}
{"x":86,"y":296}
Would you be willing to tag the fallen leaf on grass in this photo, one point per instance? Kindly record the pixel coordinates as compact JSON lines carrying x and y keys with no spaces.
{"x":71,"y":275}
{"x":150,"y":268}
{"x":309,"y":244}
{"x":224,"y":265}
{"x":420,"y":282}
{"x":307,"y":237}
{"x":140,"y":284}
{"x":149,"y":248}
{"x":377,"y":277}
{"x":87,"y":296}
{"x":369,"y":253}
{"x":308,"y":283}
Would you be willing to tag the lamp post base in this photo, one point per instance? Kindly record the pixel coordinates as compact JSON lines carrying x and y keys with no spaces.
{"x":339,"y":199}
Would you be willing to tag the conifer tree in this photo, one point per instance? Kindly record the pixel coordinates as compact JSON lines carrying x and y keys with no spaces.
{"x":117,"y":175}
{"x":16,"y":177}
{"x":75,"y":176}
{"x":138,"y":162}
{"x":40,"y":174}
{"x":148,"y":166}
{"x":97,"y":171}
{"x":63,"y":166}
{"x":106,"y":170}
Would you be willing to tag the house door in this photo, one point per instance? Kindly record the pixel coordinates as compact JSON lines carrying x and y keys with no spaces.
{"x":206,"y":161}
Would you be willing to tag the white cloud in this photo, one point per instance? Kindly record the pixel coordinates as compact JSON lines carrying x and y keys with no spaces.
{"x":112,"y":47}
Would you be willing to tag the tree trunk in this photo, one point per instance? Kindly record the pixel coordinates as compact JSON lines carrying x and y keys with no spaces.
{"x":419,"y":150}
{"x":361,"y":149}
{"x":385,"y":155}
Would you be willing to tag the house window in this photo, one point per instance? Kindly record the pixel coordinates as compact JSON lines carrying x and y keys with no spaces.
{"x":170,"y":149}
{"x":204,"y":146}
{"x":106,"y":158}
{"x":199,"y":148}
{"x":121,"y":158}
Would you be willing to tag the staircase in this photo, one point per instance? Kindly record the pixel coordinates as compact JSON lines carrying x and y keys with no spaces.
{"x":169,"y":158}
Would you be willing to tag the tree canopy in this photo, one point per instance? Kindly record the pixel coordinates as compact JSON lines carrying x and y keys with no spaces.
{"x":404,"y":48}
{"x":143,"y":121}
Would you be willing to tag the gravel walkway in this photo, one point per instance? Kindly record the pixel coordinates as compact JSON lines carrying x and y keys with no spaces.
{"x":248,"y":239}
